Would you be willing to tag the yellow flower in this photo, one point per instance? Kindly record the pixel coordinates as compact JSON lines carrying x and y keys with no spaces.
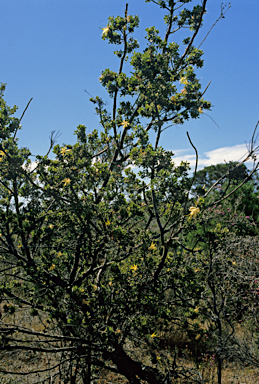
{"x":153,"y":335}
{"x":59,"y":254}
{"x":51,"y":226}
{"x":194,"y":211}
{"x":234,"y":263}
{"x":107,"y":223}
{"x":200,"y":110}
{"x":152,"y":246}
{"x":134,"y":267}
{"x":66,"y":181}
{"x":105,"y":30}
{"x":196,"y":310}
{"x":2,"y":155}
{"x":124,"y":123}
{"x":184,"y":80}
{"x":64,"y":150}
{"x":52,"y":267}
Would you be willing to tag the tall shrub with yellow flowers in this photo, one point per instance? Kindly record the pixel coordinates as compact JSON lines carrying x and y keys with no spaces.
{"x":93,"y":248}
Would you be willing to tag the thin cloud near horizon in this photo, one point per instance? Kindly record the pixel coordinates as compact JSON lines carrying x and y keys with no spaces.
{"x":216,"y":156}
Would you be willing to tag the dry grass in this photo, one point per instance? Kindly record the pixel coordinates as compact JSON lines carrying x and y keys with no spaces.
{"x":25,"y":361}
{"x":232,"y":374}
{"x":28,"y":361}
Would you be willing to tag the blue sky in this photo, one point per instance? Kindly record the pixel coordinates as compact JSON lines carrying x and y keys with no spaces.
{"x":52,"y":51}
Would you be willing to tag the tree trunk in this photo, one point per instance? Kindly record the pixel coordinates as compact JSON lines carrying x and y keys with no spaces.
{"x":133,"y":370}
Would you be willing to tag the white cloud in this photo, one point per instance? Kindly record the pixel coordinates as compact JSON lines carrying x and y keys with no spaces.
{"x":32,"y":166}
{"x":217,"y":156}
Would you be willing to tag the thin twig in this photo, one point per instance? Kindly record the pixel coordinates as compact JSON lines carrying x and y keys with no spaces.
{"x":22,"y":117}
{"x":25,"y":109}
{"x":222,"y":13}
{"x":196,"y":161}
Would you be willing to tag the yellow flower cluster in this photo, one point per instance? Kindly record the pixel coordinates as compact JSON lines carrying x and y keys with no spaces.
{"x":152,"y":246}
{"x":184,"y":80}
{"x":105,"y":30}
{"x":125,"y":124}
{"x":2,"y":155}
{"x":64,"y":151}
{"x":194,"y":211}
{"x":66,"y":182}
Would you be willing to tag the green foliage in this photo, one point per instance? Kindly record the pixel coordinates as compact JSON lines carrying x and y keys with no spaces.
{"x":226,"y":178}
{"x":228,"y":173}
